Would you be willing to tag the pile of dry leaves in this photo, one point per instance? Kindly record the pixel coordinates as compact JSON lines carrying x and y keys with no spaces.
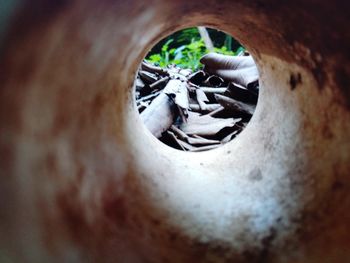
{"x":198,"y":111}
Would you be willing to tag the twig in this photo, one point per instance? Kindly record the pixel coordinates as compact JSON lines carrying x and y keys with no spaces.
{"x":147,"y":76}
{"x":183,"y":136}
{"x":229,"y":137}
{"x":214,"y":113}
{"x":148,"y":97}
{"x":198,"y":140}
{"x":153,"y":69}
{"x":211,"y":90}
{"x":159,"y":83}
{"x":205,"y":148}
{"x":206,"y":109}
{"x":176,"y":140}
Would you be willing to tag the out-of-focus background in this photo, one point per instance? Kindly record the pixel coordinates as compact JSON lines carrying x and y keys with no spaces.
{"x":185,"y":47}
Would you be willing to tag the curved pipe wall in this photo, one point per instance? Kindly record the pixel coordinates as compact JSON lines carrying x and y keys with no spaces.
{"x":83,"y":181}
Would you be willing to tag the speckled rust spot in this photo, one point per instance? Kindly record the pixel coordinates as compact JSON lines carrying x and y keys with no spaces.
{"x":97,"y":105}
{"x":115,"y":210}
{"x":294,"y":80}
{"x":255,"y":175}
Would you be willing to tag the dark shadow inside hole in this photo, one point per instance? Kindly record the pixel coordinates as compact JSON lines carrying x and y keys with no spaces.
{"x":197,"y":89}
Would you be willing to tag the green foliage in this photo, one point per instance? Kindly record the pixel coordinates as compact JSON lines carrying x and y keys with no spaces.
{"x":187,"y":55}
{"x":184,"y":35}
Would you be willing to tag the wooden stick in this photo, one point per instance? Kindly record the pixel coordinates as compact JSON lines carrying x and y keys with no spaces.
{"x":211,"y":90}
{"x":176,"y":140}
{"x":201,"y":99}
{"x":187,"y":146}
{"x":207,"y":108}
{"x":179,"y":133}
{"x":200,"y":95}
{"x":159,"y":83}
{"x":235,"y":105}
{"x":217,"y":111}
{"x":147,"y":76}
{"x":153,"y":69}
{"x":205,"y":148}
{"x":198,"y":140}
{"x":148,"y":97}
{"x":229,"y":137}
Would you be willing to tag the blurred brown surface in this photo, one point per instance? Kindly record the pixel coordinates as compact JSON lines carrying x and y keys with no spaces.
{"x":81,"y":180}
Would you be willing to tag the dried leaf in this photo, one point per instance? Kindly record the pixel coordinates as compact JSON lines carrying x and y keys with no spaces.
{"x":197,"y":77}
{"x":205,"y":125}
{"x":201,"y":96}
{"x":177,"y":90}
{"x":219,"y":61}
{"x":241,"y":93}
{"x":247,"y":77}
{"x":213,"y":81}
{"x":207,"y":108}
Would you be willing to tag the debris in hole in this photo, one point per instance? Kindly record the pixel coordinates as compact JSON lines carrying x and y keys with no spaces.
{"x":198,"y":111}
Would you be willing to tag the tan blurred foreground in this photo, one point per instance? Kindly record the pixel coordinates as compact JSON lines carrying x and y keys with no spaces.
{"x":82,"y":180}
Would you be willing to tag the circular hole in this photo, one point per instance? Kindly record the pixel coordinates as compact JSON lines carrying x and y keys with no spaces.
{"x":196,"y":89}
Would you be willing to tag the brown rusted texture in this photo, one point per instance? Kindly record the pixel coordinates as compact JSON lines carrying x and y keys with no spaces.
{"x":83,"y":181}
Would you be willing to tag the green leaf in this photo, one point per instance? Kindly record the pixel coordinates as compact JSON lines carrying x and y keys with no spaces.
{"x":155,"y":58}
{"x":166,"y":45}
{"x":187,"y":48}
